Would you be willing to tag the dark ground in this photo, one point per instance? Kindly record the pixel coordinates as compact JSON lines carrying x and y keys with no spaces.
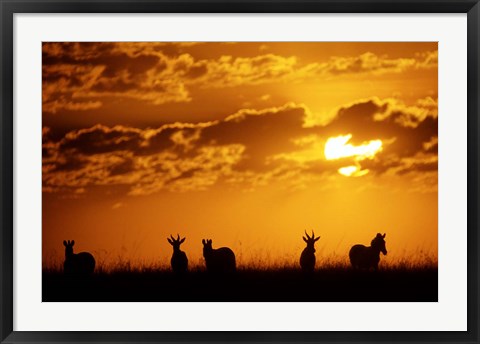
{"x":332,"y":285}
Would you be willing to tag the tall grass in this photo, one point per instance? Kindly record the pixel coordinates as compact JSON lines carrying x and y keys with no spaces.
{"x":257,"y":261}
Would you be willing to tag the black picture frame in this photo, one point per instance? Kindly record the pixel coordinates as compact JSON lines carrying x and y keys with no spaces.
{"x":9,"y":7}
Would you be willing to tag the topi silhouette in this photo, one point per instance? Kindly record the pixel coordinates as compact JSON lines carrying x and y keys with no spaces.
{"x":179,"y":259}
{"x":221,"y":260}
{"x":368,"y":257}
{"x":82,"y":263}
{"x":307,"y":259}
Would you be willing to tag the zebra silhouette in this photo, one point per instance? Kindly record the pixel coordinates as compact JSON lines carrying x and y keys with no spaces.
{"x":218,"y":261}
{"x":81,"y":263}
{"x":364,"y":257}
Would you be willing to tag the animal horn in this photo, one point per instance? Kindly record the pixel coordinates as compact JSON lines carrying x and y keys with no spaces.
{"x":178,"y":237}
{"x":313,"y":234}
{"x":307,"y":235}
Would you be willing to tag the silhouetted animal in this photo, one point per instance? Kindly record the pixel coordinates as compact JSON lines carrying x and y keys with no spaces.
{"x":221,"y":260}
{"x":179,"y":259}
{"x":307,"y":259}
{"x":82,"y":263}
{"x":368,"y":257}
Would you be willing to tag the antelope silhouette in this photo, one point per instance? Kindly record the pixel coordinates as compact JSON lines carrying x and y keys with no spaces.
{"x":368,"y":257}
{"x":179,"y":259}
{"x":307,"y":258}
{"x":221,"y":260}
{"x":81,"y":263}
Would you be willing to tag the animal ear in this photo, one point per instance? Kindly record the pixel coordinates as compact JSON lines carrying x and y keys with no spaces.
{"x":304,"y":239}
{"x":317,"y":238}
{"x":73,"y":242}
{"x":64,"y":243}
{"x":181,"y":241}
{"x":384,"y":234}
{"x":170,"y":241}
{"x":209,"y":241}
{"x":203,"y":241}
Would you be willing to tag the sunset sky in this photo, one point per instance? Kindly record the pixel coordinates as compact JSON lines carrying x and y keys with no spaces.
{"x":247,"y":144}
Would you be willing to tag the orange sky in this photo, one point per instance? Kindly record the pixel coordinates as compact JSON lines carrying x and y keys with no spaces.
{"x":248,"y":144}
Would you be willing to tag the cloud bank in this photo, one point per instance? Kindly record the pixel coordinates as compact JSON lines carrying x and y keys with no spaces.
{"x":80,"y":76}
{"x":247,"y":149}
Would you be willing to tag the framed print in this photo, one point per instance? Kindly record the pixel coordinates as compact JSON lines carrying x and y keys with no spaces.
{"x":241,"y":171}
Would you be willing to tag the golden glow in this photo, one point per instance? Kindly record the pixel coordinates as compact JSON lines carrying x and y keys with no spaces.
{"x":347,"y":171}
{"x":337,"y":147}
{"x":352,"y":171}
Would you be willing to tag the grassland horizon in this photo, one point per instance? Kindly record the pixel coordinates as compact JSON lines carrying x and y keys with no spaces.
{"x":333,"y":280}
{"x":258,"y":261}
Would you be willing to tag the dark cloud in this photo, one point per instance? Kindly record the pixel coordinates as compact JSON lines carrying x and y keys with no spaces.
{"x":76,"y":74}
{"x":69,"y":162}
{"x":263,"y":133}
{"x":196,"y":71}
{"x":419,"y":167}
{"x":101,"y":139}
{"x":123,"y":167}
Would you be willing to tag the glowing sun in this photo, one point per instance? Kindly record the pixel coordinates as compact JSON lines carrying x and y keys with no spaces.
{"x":338,"y":147}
